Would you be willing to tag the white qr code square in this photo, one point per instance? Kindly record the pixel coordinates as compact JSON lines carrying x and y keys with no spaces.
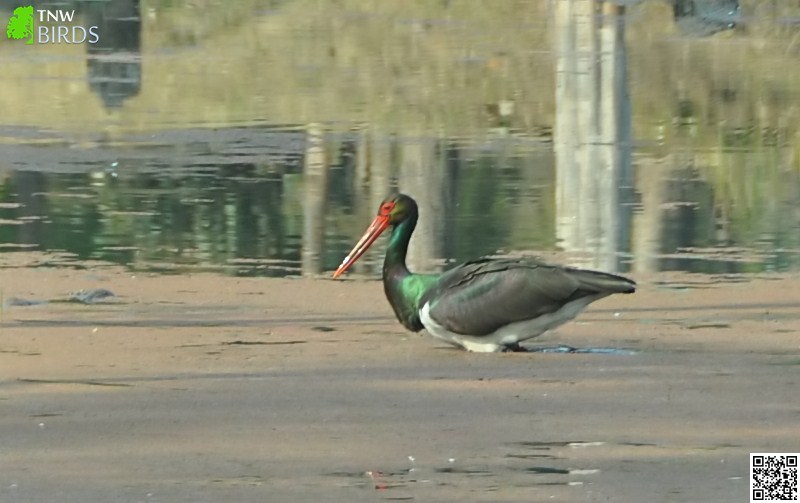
{"x":773,"y":477}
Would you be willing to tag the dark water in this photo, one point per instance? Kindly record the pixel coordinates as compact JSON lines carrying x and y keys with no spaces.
{"x":165,"y":149}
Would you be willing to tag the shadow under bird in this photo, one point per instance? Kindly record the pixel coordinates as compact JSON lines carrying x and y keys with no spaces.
{"x":484,"y":305}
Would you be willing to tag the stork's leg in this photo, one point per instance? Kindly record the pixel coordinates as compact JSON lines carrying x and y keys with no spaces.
{"x":514,"y":348}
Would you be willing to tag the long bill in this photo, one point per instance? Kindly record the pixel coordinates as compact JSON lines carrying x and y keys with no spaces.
{"x":375,"y":229}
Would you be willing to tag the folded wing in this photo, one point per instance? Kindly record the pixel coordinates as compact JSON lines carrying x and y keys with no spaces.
{"x":482,"y":296}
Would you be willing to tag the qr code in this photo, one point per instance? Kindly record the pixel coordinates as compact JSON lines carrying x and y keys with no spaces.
{"x":773,"y":477}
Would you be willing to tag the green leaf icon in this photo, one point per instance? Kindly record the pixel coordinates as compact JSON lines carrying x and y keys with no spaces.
{"x":20,"y":25}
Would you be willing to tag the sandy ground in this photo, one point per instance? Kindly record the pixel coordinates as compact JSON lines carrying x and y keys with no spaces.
{"x":205,"y":388}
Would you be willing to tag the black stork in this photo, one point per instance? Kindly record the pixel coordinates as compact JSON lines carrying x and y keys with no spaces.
{"x":484,"y":305}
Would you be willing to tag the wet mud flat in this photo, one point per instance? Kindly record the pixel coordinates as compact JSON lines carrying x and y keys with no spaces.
{"x":204,"y":388}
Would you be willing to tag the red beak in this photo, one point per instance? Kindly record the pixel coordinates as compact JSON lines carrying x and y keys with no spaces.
{"x":375,"y":229}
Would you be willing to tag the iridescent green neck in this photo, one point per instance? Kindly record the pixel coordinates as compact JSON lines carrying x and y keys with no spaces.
{"x":394,"y":264}
{"x":403,"y":288}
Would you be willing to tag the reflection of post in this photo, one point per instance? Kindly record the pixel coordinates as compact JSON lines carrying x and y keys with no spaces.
{"x":362,"y":164}
{"x":315,"y":183}
{"x":380,"y":167}
{"x":380,"y":170}
{"x":423,"y":178}
{"x":647,"y":221}
{"x":566,"y":132}
{"x":592,"y":128}
{"x":614,"y":138}
{"x":30,"y":187}
{"x":361,"y":185}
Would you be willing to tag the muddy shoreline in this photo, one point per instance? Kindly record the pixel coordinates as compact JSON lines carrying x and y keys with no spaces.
{"x":211,"y":388}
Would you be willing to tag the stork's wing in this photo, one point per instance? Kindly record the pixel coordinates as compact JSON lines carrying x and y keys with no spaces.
{"x":481,"y":296}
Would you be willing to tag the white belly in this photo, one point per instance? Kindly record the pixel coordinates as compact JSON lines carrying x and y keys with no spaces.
{"x":510,"y":334}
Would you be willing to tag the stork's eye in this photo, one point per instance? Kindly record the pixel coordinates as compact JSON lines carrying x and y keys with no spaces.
{"x":387,"y":208}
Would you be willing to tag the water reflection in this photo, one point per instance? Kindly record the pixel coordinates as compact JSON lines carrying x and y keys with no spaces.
{"x":292,"y":201}
{"x":182,"y":163}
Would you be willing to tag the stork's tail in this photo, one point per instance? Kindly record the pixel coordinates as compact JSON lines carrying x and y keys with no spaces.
{"x":603,"y":282}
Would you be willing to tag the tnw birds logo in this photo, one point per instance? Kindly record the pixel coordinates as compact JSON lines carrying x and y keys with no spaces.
{"x":42,"y":26}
